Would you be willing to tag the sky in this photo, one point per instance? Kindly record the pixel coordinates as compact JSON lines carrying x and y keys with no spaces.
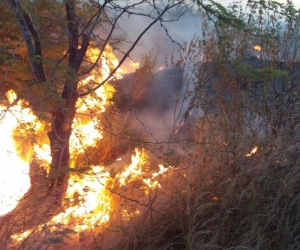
{"x":183,"y":30}
{"x":226,"y":2}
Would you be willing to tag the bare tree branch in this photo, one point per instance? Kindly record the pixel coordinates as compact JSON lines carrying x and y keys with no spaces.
{"x":104,"y":45}
{"x":129,"y":51}
{"x":97,"y":18}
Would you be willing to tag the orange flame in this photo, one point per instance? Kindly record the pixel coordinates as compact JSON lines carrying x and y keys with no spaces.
{"x":88,"y":202}
{"x":257,"y":47}
{"x":13,"y":165}
{"x":134,"y":169}
{"x":253,"y":151}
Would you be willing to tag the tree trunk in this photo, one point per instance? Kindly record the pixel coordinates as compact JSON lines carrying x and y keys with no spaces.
{"x":59,"y":143}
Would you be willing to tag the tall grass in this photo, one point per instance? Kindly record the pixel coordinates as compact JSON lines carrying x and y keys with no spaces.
{"x":218,"y":195}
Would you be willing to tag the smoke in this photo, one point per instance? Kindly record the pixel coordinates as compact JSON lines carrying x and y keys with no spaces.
{"x":153,"y":104}
{"x":182,"y":24}
{"x":152,"y":112}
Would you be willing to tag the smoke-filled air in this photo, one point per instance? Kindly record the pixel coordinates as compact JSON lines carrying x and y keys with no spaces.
{"x":166,"y":125}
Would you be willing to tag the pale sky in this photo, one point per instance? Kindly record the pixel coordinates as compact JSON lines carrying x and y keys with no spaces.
{"x":225,"y":2}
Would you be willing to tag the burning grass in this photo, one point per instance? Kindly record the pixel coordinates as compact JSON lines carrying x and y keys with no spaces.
{"x":225,"y":190}
{"x":95,"y":201}
{"x":222,"y":193}
{"x":224,"y":200}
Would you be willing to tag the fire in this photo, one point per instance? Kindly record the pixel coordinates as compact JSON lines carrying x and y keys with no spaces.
{"x":257,"y":47}
{"x":128,"y":215}
{"x":150,"y":182}
{"x":43,"y":152}
{"x":84,"y":135}
{"x":89,"y":202}
{"x":14,"y":165}
{"x":109,"y":62}
{"x":253,"y":151}
{"x":134,"y":64}
{"x":134,"y":169}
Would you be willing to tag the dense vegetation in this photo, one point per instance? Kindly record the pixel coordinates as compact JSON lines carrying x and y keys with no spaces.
{"x":236,"y":87}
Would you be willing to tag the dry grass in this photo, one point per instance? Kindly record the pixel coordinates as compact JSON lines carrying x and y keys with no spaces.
{"x":228,"y":202}
{"x":215,"y":197}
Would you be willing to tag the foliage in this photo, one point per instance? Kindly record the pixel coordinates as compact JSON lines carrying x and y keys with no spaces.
{"x":228,"y":198}
{"x":219,"y":195}
{"x":54,"y":47}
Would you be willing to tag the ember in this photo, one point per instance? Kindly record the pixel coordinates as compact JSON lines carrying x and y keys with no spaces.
{"x":253,"y":151}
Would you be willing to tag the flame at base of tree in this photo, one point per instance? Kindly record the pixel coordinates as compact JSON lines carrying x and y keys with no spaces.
{"x":23,"y":136}
{"x":89,"y":202}
{"x":12,"y":168}
{"x":14,"y":164}
{"x":93,"y":193}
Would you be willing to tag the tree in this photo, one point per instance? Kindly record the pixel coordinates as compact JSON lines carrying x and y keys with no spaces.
{"x":44,"y":58}
{"x":49,"y":50}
